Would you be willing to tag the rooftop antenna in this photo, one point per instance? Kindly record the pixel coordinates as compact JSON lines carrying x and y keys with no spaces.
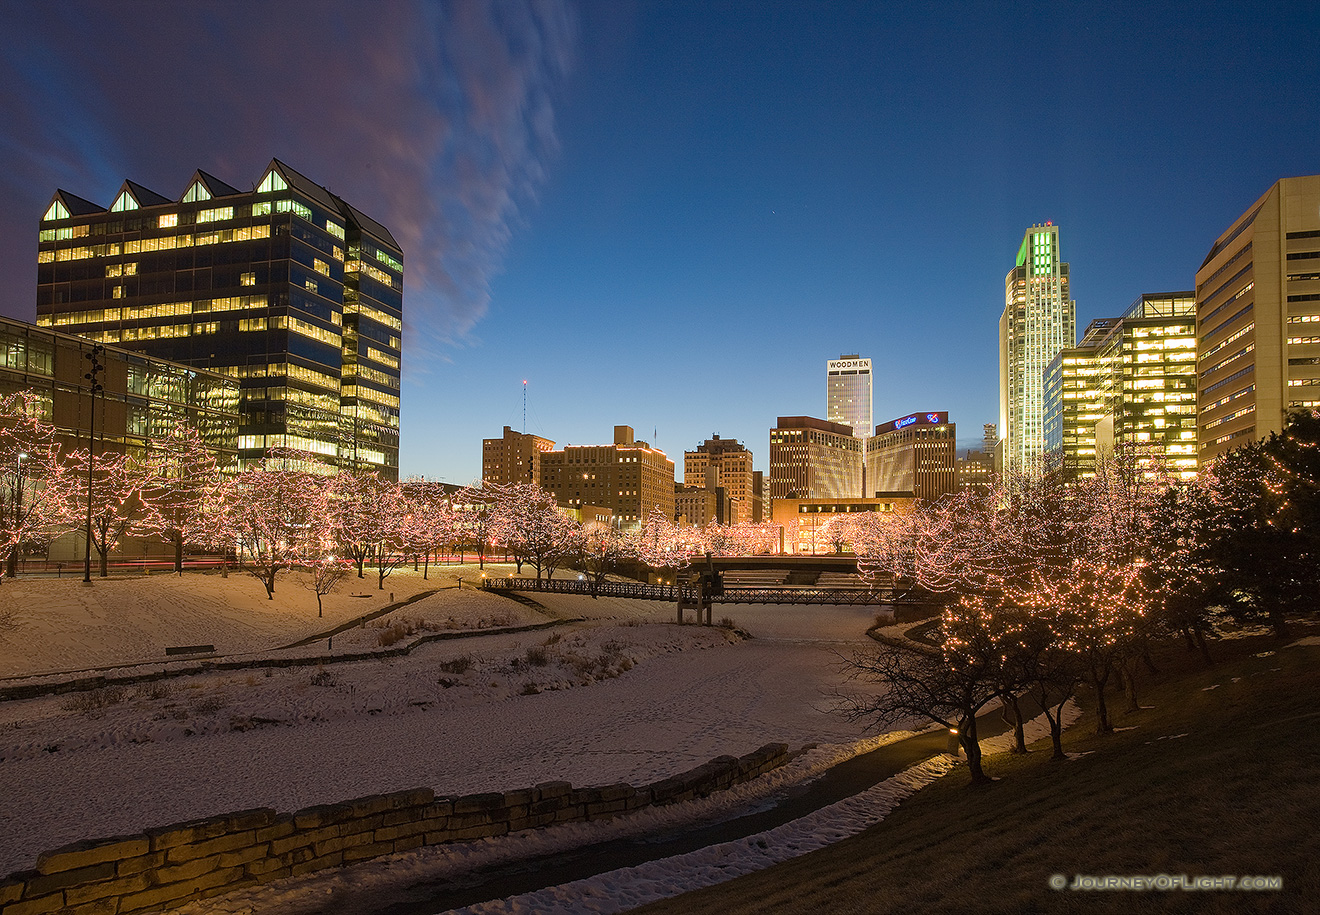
{"x":524,"y":406}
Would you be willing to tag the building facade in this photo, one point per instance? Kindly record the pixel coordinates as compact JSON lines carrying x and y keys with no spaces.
{"x":142,"y":400}
{"x":513,"y":458}
{"x":1039,"y":320}
{"x":286,"y":288}
{"x":805,"y":523}
{"x":1258,"y":319}
{"x":724,"y":463}
{"x":1129,"y":386}
{"x":814,"y":459}
{"x":848,"y":396}
{"x":628,"y":477}
{"x":914,"y":454}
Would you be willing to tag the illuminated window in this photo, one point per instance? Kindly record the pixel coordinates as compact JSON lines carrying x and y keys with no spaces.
{"x":197,"y":193}
{"x":167,"y":221}
{"x":248,"y":279}
{"x":272,"y":182}
{"x":215,"y":215}
{"x":59,"y":211}
{"x":123,"y":203}
{"x":320,"y":266}
{"x":334,"y":229}
{"x":117,"y":292}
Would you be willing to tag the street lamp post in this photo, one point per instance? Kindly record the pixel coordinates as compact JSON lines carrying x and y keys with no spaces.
{"x":93,"y":376}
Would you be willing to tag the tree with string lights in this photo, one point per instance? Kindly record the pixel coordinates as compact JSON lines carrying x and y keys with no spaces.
{"x":34,"y":480}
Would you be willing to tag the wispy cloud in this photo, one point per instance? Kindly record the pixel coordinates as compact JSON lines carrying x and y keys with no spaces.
{"x":435,"y":118}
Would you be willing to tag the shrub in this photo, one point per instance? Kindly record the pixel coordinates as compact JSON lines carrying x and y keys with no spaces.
{"x":459,"y":665}
{"x":726,"y":622}
{"x":393,"y":634}
{"x":322,"y":677}
{"x":209,"y":705}
{"x":93,"y":701}
{"x":537,"y":656}
{"x":530,"y":689}
{"x":157,"y":689}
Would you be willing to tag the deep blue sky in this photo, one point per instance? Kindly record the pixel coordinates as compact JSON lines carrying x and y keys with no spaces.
{"x":670,"y":215}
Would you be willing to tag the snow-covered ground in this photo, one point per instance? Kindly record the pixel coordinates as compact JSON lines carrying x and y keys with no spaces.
{"x":622,"y":696}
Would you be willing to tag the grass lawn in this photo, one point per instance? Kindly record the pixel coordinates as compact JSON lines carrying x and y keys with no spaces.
{"x":1221,"y":775}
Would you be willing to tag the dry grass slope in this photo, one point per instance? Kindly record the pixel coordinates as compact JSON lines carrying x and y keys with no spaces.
{"x":1219,"y":776}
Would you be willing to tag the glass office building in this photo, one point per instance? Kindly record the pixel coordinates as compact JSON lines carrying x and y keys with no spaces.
{"x":1038,"y":321}
{"x":286,"y":288}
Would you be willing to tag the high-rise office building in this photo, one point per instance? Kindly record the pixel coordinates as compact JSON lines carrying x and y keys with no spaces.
{"x":726,"y":464}
{"x":913,"y":454}
{"x":1130,"y":386}
{"x":1039,"y":319}
{"x":848,"y":393}
{"x":814,"y":459}
{"x":629,"y":477}
{"x":1258,"y":319}
{"x":513,"y":458}
{"x":286,"y":287}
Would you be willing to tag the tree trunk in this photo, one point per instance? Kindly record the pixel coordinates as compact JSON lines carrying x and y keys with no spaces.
{"x":1019,"y":734}
{"x":1149,"y":662}
{"x":972,"y":747}
{"x":1099,"y":679}
{"x":1191,"y":641}
{"x":177,"y":538}
{"x":1130,"y":685}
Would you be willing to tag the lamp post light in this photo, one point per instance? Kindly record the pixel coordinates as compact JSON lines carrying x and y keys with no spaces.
{"x":93,"y":375}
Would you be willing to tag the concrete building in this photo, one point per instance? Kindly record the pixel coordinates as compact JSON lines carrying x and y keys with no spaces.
{"x":1039,"y":320}
{"x":286,"y":288}
{"x":513,"y":458}
{"x":1258,"y":319}
{"x":698,"y":506}
{"x":628,"y":477}
{"x":1130,"y":386}
{"x":726,"y":464}
{"x":848,"y":395}
{"x":975,"y":470}
{"x":814,"y":459}
{"x":806,"y":522}
{"x":914,"y":454}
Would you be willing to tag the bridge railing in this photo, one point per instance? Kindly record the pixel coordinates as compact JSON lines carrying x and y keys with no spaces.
{"x":641,"y":591}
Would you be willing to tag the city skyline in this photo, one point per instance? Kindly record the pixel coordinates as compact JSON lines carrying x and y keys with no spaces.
{"x":670,"y":214}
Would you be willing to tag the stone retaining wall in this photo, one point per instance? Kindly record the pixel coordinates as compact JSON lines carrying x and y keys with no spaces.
{"x":167,"y":867}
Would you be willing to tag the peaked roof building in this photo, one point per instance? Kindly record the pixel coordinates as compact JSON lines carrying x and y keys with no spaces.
{"x":287,"y":288}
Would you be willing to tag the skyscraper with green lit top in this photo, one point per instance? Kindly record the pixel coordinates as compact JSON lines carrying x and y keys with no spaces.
{"x":1038,"y":321}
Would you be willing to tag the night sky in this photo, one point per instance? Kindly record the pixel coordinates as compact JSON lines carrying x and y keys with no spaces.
{"x":670,"y":215}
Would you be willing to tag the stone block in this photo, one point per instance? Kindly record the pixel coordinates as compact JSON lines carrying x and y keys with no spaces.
{"x":120,"y":886}
{"x":256,"y":818}
{"x":547,"y":790}
{"x":402,"y":831}
{"x":472,"y":803}
{"x":192,"y":851}
{"x":408,"y":843}
{"x":548,"y":805}
{"x":416,"y":797}
{"x":372,"y":850}
{"x":339,"y":843}
{"x":42,"y":884}
{"x":520,"y":798}
{"x":616,"y":792}
{"x":166,"y":837}
{"x":605,"y":809}
{"x":95,"y":907}
{"x":130,"y":866}
{"x":266,"y":876}
{"x":244,"y":855}
{"x":469,"y":820}
{"x":11,"y":889}
{"x":317,"y":864}
{"x":322,"y":815}
{"x":441,"y":806}
{"x":39,"y":906}
{"x":363,"y":807}
{"x":303,"y":839}
{"x":97,"y":851}
{"x":187,"y":870}
{"x":479,"y":832}
{"x":280,"y":827}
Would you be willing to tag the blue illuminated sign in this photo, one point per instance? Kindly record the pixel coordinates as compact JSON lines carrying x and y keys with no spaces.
{"x":925,"y":419}
{"x":905,"y":421}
